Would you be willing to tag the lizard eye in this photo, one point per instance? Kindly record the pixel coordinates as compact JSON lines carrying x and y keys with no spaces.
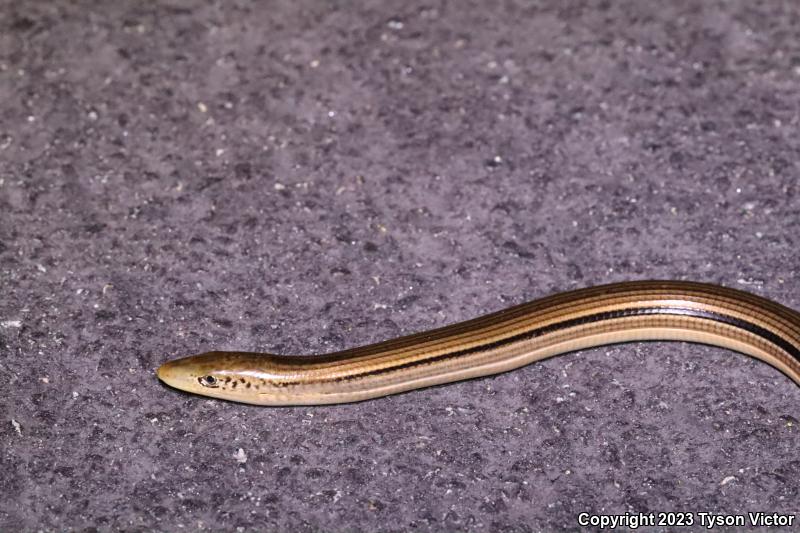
{"x":208,"y":381}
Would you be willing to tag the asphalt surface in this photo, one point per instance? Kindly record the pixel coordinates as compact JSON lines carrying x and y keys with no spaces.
{"x":298,"y":177}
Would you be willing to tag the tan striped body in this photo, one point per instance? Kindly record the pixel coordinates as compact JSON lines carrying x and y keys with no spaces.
{"x":509,"y":339}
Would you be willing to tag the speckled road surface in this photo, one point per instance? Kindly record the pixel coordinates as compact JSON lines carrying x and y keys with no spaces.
{"x":179,"y":177}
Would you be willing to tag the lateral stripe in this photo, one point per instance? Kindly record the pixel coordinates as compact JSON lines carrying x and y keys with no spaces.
{"x":762,"y":332}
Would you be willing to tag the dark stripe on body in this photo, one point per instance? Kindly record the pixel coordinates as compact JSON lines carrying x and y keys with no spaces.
{"x":764,"y":333}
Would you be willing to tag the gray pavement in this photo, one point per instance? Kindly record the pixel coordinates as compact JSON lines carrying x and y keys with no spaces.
{"x":300,"y":177}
